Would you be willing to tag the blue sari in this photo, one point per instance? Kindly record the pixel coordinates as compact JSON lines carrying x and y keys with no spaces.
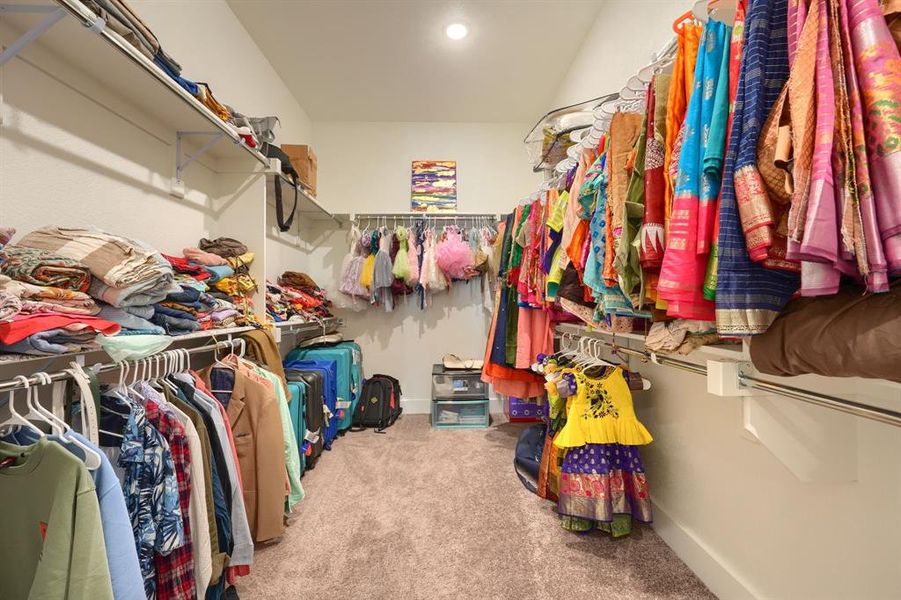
{"x":748,"y":295}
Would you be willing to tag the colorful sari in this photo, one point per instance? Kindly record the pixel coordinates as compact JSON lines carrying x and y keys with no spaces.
{"x":879,"y":70}
{"x":652,"y":242}
{"x":685,"y":262}
{"x":689,"y":39}
{"x":624,"y":132}
{"x":748,"y":295}
{"x":860,"y":225}
{"x":735,"y":49}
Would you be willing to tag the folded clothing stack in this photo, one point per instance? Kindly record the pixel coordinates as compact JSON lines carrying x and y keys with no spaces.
{"x":188,"y":273}
{"x":46,"y":299}
{"x":52,"y":333}
{"x":125,"y":272}
{"x":42,"y":267}
{"x":231,"y":279}
{"x":301,"y":292}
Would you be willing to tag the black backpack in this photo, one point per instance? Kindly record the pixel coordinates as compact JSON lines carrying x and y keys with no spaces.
{"x":379,"y":404}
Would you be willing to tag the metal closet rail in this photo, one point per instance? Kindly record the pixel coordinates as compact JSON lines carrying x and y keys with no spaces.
{"x":851,"y":407}
{"x":36,"y":380}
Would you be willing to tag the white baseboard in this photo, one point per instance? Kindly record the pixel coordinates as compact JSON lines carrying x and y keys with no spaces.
{"x":701,"y":559}
{"x":423,"y":406}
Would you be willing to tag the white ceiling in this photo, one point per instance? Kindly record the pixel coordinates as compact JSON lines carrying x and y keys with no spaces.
{"x":389,"y":60}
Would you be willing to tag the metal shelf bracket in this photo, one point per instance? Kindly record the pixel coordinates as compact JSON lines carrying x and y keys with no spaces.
{"x":182,"y":159}
{"x":53,"y":15}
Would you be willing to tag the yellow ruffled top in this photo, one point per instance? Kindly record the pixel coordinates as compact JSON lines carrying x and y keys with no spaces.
{"x":601,"y":412}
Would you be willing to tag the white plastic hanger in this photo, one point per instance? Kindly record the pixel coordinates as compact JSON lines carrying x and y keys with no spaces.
{"x":15,"y":418}
{"x":57,"y":426}
{"x":62,"y":429}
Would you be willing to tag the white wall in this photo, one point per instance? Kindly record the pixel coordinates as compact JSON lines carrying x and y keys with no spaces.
{"x":624,"y":36}
{"x":729,"y":505}
{"x":73,"y":153}
{"x":365,"y":167}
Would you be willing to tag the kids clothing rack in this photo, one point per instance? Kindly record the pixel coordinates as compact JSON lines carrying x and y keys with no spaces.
{"x":729,"y":378}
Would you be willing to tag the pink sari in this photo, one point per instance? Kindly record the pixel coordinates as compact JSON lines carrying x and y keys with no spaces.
{"x":879,"y":70}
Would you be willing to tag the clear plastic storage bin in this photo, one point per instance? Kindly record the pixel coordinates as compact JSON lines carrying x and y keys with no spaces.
{"x":456,"y":384}
{"x":460,"y":414}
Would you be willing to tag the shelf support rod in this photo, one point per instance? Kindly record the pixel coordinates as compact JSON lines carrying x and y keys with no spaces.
{"x":182,"y":164}
{"x":54,"y":15}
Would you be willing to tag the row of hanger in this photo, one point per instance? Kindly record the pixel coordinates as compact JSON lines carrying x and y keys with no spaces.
{"x":632,"y":97}
{"x":365,"y":223}
{"x":154,"y":369}
{"x":588,"y":353}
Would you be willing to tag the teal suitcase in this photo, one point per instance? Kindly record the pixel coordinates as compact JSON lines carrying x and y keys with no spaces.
{"x":297,"y":408}
{"x":356,"y":373}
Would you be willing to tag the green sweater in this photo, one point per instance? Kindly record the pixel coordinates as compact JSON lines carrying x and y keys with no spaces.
{"x":52,"y":536}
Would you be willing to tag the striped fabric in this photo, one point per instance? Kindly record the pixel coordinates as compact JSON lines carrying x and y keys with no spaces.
{"x":748,"y":295}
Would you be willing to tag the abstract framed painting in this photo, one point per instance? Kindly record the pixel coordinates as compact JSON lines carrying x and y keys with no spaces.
{"x":434,"y":186}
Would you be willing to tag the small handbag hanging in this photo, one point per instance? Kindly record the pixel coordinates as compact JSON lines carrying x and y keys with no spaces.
{"x":271,"y":151}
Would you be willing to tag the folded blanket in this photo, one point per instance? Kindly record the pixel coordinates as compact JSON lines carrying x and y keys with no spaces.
{"x":223,"y":246}
{"x":74,"y":338}
{"x":159,"y":309}
{"x":43,"y":267}
{"x":117,"y":261}
{"x":128,"y":320}
{"x":207,"y":259}
{"x":175,"y":325}
{"x":22,"y":326}
{"x":37,"y":298}
{"x":297,"y":280}
{"x":10,"y":305}
{"x":143,"y":311}
{"x":183,"y":265}
{"x":218,"y":273}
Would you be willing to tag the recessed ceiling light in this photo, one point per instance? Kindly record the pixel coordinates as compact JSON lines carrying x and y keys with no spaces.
{"x":456,"y":31}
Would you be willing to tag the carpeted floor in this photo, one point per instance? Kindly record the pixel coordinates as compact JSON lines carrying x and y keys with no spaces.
{"x":424,"y":514}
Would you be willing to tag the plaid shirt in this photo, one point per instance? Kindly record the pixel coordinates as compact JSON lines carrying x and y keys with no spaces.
{"x":174,"y":571}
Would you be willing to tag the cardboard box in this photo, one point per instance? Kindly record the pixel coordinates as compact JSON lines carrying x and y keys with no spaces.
{"x":304,"y":160}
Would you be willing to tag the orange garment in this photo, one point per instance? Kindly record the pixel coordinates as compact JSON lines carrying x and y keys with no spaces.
{"x":624,"y":131}
{"x":689,"y":38}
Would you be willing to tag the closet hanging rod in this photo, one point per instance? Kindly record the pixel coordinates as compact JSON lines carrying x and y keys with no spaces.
{"x":875,"y":413}
{"x":421,"y":215}
{"x":12,"y":384}
{"x":857,"y":409}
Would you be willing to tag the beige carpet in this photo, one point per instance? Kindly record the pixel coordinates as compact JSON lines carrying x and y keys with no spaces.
{"x":430,"y":514}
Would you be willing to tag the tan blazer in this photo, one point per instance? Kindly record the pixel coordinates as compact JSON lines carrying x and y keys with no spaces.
{"x":257,"y":428}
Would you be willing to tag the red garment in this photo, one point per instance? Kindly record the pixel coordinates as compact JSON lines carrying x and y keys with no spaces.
{"x":21,"y":326}
{"x":175,"y":571}
{"x":183,"y":265}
